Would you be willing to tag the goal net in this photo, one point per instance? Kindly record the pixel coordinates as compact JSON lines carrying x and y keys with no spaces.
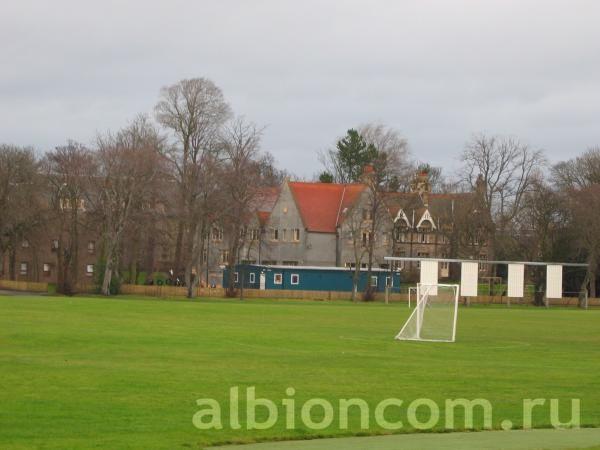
{"x":434,"y":317}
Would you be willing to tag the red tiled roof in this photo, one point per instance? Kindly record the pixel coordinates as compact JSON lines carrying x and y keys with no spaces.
{"x":320,"y":204}
{"x":263,"y":217}
{"x":264,"y":202}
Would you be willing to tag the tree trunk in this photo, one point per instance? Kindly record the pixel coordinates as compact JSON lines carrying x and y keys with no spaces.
{"x":107,"y":277}
{"x":12,"y":263}
{"x":178,"y":247}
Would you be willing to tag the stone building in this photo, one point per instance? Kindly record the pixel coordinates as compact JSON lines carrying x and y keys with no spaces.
{"x":297,"y":223}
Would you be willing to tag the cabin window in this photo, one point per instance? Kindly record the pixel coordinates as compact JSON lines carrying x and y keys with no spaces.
{"x":295,"y":279}
{"x":277,"y":278}
{"x":236,"y":277}
{"x":389,"y":282}
{"x":374,"y":280}
{"x":252,"y":278}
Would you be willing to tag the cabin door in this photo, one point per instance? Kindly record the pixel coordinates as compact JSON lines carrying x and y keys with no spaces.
{"x":263,"y":280}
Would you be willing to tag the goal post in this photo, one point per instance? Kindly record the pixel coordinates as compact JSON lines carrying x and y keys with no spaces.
{"x":434,"y":316}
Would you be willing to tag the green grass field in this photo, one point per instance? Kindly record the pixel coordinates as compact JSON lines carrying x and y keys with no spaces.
{"x":126,"y":372}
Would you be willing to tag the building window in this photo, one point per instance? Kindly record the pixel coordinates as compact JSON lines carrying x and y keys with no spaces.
{"x":217,"y":234}
{"x":23,"y":268}
{"x":91,"y":247}
{"x":224,"y":256}
{"x":366,"y":238}
{"x":289,"y":263}
{"x":295,"y":279}
{"x":254,"y":234}
{"x":89,"y":270}
{"x":268,"y":262}
{"x":423,"y":238}
{"x":252,"y":277}
{"x":236,"y":277}
{"x":296,"y":236}
{"x":421,"y":255}
{"x":277,"y":278}
{"x":54,"y":245}
{"x":389,"y":282}
{"x":482,"y":265}
{"x":284,"y":235}
{"x":374,"y":280}
{"x":46,"y":268}
{"x":25,"y":243}
{"x":274,"y":234}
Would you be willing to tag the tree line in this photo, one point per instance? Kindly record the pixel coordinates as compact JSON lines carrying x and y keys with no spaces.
{"x":193,"y":163}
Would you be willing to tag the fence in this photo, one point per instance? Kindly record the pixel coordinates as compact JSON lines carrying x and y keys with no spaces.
{"x":177,"y":291}
{"x":27,"y":286}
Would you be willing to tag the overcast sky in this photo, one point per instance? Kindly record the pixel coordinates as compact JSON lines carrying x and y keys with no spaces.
{"x":438,"y":71}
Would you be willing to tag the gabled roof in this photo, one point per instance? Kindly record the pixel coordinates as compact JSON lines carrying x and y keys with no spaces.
{"x":438,"y":204}
{"x":264,"y":203}
{"x":320,"y":204}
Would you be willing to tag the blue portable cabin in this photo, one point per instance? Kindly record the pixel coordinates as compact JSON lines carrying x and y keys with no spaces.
{"x":309,"y":278}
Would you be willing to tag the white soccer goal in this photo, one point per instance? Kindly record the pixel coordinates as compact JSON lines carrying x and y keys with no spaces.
{"x":435,"y":314}
{"x":412,"y":295}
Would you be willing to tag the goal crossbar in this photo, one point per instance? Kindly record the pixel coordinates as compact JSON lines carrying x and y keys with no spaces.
{"x":482,"y":261}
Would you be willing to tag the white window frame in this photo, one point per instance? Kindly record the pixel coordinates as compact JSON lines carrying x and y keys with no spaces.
{"x":278,"y":276}
{"x":23,"y":268}
{"x":297,"y":275}
{"x":236,"y":277}
{"x":296,"y":235}
{"x":252,"y":277}
{"x":374,"y":280}
{"x":389,"y":281}
{"x":89,"y":272}
{"x":46,"y":267}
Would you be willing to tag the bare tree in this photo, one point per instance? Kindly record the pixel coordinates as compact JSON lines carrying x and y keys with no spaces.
{"x":241,"y":183}
{"x":127,"y":164}
{"x":68,"y":170}
{"x":579,"y":180}
{"x":580,"y":172}
{"x":194,"y":110}
{"x":19,"y":184}
{"x":507,"y":168}
{"x":398,"y":169}
{"x":356,"y":230}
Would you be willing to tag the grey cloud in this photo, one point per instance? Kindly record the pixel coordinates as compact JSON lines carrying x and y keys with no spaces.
{"x":437,"y":70}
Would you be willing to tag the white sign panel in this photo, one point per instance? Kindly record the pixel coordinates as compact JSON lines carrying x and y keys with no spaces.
{"x":429,"y":274}
{"x":469,"y":272}
{"x":554,"y":281}
{"x":516,"y":280}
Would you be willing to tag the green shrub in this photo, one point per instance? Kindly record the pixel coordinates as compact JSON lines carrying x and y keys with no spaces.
{"x":141,"y":278}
